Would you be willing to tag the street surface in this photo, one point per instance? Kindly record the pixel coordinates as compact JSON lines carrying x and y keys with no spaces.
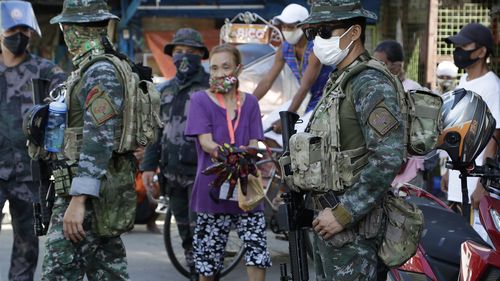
{"x":147,"y":258}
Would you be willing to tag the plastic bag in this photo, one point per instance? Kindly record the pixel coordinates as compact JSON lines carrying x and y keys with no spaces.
{"x":255,"y":193}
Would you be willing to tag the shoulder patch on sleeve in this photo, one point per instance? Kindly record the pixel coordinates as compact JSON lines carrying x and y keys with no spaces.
{"x":93,"y":93}
{"x":99,"y":105}
{"x":382,"y":120}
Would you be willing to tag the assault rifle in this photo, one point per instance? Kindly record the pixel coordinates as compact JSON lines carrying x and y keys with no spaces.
{"x":42,"y":206}
{"x":293,"y":215}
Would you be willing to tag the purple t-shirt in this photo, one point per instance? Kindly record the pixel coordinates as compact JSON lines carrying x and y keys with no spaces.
{"x":205,"y":116}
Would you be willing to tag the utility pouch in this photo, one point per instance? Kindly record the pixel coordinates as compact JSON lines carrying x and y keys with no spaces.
{"x":73,"y":139}
{"x":306,"y":156}
{"x":404,"y":226}
{"x":114,"y":210}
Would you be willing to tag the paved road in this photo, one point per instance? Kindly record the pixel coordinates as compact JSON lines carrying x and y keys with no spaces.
{"x":147,"y":258}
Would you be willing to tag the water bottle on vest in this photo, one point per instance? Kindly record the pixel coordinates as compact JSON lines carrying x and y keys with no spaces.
{"x":54,"y":132}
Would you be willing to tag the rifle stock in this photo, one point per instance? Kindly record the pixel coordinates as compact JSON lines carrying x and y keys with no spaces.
{"x":293,"y":216}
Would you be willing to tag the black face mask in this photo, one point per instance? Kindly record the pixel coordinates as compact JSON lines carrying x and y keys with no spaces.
{"x":462,"y":58}
{"x":16,"y":43}
{"x":187,"y":66}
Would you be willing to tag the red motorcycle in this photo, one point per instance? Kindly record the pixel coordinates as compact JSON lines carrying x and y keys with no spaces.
{"x":450,"y":249}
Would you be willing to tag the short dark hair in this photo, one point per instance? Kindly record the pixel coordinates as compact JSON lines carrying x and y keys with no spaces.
{"x":392,"y":49}
{"x":361,"y":21}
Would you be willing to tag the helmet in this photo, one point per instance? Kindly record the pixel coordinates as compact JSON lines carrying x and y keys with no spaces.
{"x":34,"y":122}
{"x":17,"y":13}
{"x":468,"y":126}
{"x":82,"y":11}
{"x":187,"y":37}
{"x":336,"y":10}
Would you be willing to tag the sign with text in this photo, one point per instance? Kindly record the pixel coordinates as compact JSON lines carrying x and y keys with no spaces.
{"x":247,"y":33}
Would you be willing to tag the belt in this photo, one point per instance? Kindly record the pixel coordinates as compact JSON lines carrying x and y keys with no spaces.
{"x":325,"y":200}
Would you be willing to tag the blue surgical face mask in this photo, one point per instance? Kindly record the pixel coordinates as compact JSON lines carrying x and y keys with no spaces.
{"x":187,"y":66}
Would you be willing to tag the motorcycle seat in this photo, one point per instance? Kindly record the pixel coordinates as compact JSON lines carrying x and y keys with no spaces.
{"x":444,"y":231}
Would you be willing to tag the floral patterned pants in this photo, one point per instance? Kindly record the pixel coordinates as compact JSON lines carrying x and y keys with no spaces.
{"x":211,"y":235}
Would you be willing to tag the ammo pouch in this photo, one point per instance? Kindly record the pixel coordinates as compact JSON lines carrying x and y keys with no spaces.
{"x":63,"y":174}
{"x":114,"y":210}
{"x":306,"y":153}
{"x":403,"y":229}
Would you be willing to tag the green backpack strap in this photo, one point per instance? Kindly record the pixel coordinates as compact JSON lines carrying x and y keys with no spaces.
{"x":142,"y":105}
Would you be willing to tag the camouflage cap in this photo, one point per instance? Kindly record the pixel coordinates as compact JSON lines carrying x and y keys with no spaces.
{"x":82,"y":11}
{"x":187,"y":37}
{"x":336,"y":10}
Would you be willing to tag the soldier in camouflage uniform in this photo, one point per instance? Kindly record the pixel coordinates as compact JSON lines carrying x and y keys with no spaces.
{"x":95,"y":97}
{"x":360,"y":122}
{"x":178,"y":152}
{"x":17,"y":68}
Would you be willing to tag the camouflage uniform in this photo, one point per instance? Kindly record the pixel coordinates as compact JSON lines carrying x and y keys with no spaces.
{"x":178,"y":152}
{"x":95,"y":99}
{"x":362,"y":120}
{"x":16,"y":184}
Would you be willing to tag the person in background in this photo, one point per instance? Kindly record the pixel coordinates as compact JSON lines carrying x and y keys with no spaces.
{"x":390,"y":52}
{"x":175,"y":153}
{"x":146,"y":204}
{"x":17,"y":69}
{"x":447,"y":73}
{"x":298,"y":54}
{"x":446,"y":80}
{"x":473,"y":45}
{"x":222,"y":115}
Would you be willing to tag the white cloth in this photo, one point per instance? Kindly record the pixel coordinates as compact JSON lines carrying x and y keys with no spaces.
{"x":409,"y":84}
{"x":488,"y":87}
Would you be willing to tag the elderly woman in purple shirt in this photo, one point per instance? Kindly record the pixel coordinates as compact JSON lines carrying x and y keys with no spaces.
{"x":217,"y":116}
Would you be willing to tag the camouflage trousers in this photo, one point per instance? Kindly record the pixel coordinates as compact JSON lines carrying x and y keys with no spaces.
{"x":97,"y":257}
{"x":355,"y":261}
{"x":25,"y":247}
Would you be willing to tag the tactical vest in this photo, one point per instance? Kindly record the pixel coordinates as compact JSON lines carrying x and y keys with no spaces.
{"x":140,"y":115}
{"x":320,"y":163}
{"x":179,"y":156}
